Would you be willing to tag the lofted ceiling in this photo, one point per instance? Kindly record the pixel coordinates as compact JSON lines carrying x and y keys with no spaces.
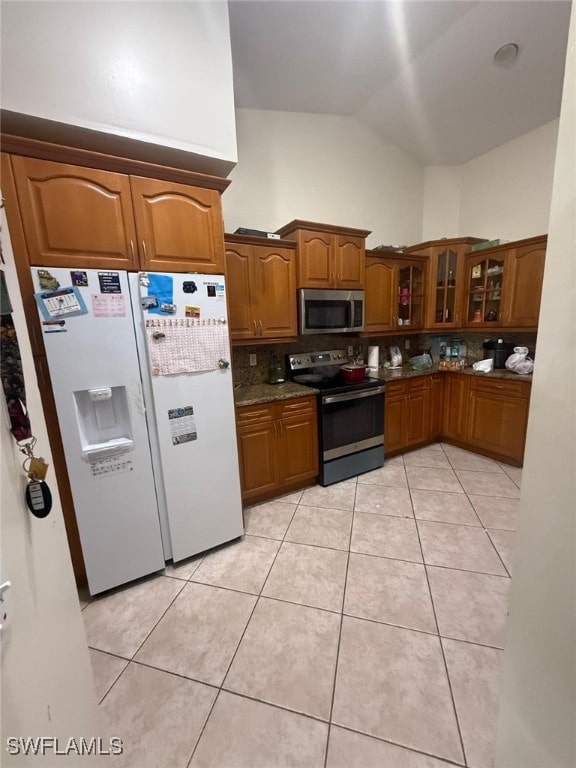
{"x":420,"y":73}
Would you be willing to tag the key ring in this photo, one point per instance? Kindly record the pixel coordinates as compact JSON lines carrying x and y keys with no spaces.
{"x":27,"y":447}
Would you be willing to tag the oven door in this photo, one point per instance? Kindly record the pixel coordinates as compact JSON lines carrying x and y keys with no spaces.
{"x":351,"y":422}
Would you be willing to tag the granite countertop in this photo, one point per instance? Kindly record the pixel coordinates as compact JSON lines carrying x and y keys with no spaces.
{"x":407,"y":372}
{"x":255,"y":394}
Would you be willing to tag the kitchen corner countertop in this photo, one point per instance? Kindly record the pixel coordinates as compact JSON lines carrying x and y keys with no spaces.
{"x":255,"y":394}
{"x":406,"y":372}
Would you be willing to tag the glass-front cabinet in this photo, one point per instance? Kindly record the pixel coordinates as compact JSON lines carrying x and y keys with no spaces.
{"x":445,"y":287}
{"x":410,"y":297}
{"x":485,"y":283}
{"x":394,"y":292}
{"x":444,"y":291}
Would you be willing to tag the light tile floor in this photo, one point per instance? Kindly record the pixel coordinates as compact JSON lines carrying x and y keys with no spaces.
{"x":354,"y":626}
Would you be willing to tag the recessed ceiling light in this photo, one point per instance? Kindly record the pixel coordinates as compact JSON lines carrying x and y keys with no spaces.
{"x":506,"y":53}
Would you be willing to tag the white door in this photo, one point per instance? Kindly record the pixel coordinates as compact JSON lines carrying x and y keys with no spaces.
{"x":47,"y":684}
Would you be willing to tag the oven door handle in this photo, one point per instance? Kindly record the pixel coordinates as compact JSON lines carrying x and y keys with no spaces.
{"x":352,"y":395}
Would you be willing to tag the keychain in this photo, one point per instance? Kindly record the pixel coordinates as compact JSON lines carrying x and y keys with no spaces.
{"x":38,"y":496}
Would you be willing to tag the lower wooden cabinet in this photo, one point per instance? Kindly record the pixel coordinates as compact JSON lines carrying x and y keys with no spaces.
{"x":497,"y":417}
{"x":436,"y":406}
{"x":455,"y":406}
{"x":489,"y":416}
{"x":395,"y":410}
{"x":277,"y":446}
{"x":408,"y":413}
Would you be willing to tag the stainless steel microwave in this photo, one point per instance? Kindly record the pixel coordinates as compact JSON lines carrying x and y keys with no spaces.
{"x":331,"y":311}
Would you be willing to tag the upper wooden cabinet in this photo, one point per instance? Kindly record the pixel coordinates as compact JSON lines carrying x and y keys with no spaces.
{"x":328,"y":256}
{"x":525,"y":278}
{"x":504,"y":285}
{"x":179,"y":227}
{"x":261,"y":277}
{"x":75,"y":216}
{"x":380,"y":294}
{"x":446,"y":280}
{"x":395,"y":295}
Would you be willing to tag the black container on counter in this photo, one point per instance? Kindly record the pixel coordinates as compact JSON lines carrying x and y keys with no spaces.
{"x":499,"y":350}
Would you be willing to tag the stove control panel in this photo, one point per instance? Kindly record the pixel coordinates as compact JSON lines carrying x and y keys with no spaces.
{"x":317,"y":359}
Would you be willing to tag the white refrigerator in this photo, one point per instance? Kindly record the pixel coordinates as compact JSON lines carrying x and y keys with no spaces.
{"x":140,"y":368}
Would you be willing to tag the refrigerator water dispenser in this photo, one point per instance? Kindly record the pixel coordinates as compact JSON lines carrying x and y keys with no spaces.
{"x":104,"y":424}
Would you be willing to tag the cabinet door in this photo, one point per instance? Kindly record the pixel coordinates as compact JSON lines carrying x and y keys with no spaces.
{"x":380,"y":295}
{"x":418,"y":415}
{"x":75,"y":217}
{"x":242,"y":326}
{"x":418,"y":409}
{"x":179,"y":227}
{"x":298,"y":448}
{"x":395,"y":423}
{"x":258,"y":459}
{"x":410,"y":295}
{"x":456,"y":390}
{"x":315,"y":260}
{"x":497,"y":423}
{"x":445,"y":282}
{"x":349,"y":257}
{"x":273,"y":291}
{"x":436,"y":406}
{"x":486,"y":275}
{"x":525,"y":273}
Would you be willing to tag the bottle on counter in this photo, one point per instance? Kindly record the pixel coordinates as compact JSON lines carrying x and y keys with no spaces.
{"x":275,"y":370}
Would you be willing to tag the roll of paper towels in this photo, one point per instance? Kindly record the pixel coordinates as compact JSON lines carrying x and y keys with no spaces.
{"x":373,"y":361}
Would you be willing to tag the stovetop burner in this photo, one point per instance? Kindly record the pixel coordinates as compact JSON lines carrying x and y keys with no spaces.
{"x":328,"y":364}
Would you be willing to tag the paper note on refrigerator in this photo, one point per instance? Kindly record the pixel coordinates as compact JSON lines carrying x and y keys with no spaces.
{"x":185,"y":345}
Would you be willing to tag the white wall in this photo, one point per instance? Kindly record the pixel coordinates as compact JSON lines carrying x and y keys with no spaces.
{"x":47,"y":685}
{"x":441,"y":215}
{"x":157,"y":72}
{"x":506,"y":192}
{"x":538,"y":703}
{"x":502,"y":194}
{"x":324,"y":168}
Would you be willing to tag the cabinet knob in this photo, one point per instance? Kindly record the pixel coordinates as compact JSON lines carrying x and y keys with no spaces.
{"x":261,"y":329}
{"x":144,"y":251}
{"x":255,"y":331}
{"x":132,"y":251}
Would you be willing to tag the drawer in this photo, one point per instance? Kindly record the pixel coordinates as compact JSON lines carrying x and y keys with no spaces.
{"x":421,"y":382}
{"x":295,"y":407}
{"x":394,"y":388}
{"x":254,"y":414}
{"x":501,"y":387}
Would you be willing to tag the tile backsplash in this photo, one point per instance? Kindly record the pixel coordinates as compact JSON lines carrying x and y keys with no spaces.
{"x":245,"y":374}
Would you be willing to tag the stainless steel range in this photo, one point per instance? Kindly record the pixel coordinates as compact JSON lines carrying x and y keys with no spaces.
{"x":350,"y":416}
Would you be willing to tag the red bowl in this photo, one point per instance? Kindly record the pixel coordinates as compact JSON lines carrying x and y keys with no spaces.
{"x":353,"y":373}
